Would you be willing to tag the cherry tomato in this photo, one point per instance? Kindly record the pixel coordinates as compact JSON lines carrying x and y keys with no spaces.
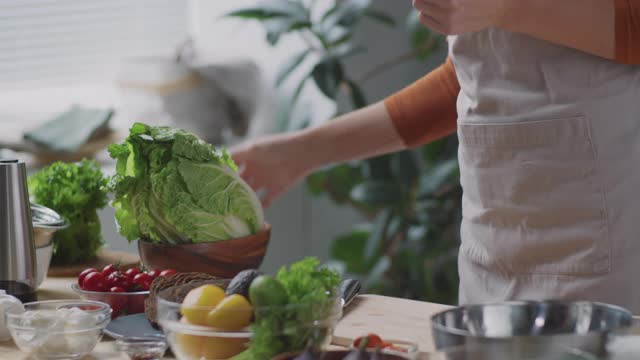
{"x":116,"y":289}
{"x":84,"y":274}
{"x":108,"y":270}
{"x":118,"y":279}
{"x":373,"y":341}
{"x":143,"y":280}
{"x":131,"y":273}
{"x":94,"y":282}
{"x":154,"y":273}
{"x":167,"y":272}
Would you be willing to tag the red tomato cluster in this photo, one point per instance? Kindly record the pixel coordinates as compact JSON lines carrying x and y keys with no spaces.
{"x":374,"y":341}
{"x":117,"y":284}
{"x":112,"y":279}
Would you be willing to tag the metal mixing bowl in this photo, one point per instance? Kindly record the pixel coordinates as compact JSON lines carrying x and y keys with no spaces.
{"x":492,"y":353}
{"x":514,"y":327}
{"x":45,"y":223}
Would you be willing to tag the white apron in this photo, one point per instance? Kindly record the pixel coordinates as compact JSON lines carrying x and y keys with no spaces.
{"x":550,"y":168}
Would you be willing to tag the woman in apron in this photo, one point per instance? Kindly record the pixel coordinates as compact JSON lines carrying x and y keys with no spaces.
{"x":545,"y":98}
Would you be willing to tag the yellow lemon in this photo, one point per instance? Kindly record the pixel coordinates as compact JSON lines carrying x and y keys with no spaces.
{"x":232,"y":314}
{"x":199,"y":302}
{"x":215,"y":348}
{"x":190,"y":345}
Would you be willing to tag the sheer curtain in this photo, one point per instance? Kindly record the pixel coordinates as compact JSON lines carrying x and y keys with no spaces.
{"x":54,"y":53}
{"x":54,"y":42}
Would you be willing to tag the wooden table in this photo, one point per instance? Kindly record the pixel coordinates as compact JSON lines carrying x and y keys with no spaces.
{"x":391,"y":318}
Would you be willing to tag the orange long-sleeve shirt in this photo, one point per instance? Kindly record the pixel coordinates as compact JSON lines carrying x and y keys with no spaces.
{"x":426,"y":110}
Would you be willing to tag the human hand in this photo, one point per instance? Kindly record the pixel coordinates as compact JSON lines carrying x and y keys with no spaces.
{"x":271,"y":165}
{"x":454,"y":17}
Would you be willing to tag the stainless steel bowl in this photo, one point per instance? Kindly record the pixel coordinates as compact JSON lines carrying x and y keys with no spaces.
{"x":45,"y":223}
{"x":492,"y":353}
{"x":515,"y":327}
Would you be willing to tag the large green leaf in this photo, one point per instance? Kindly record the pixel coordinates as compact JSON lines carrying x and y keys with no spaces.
{"x":377,"y":193}
{"x":405,"y":167}
{"x":434,"y":150}
{"x":290,"y":66}
{"x":350,"y":249}
{"x":378,"y":236}
{"x":345,"y":13}
{"x":338,"y":36}
{"x":357,"y":96}
{"x":337,"y":180}
{"x":377,"y":273}
{"x":278,"y":26}
{"x":278,"y":17}
{"x":297,"y":92}
{"x":346,"y":50}
{"x":328,"y":75}
{"x":437,"y":176}
{"x":257,"y":14}
{"x":269,"y":9}
{"x":378,"y":168}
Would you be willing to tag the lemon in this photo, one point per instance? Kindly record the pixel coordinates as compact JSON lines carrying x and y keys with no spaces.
{"x":199,"y":302}
{"x":232,"y":314}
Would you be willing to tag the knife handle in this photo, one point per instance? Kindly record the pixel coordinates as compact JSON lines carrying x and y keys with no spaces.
{"x":349,"y":288}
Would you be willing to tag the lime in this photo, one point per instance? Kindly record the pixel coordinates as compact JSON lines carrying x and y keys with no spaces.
{"x":267,"y":291}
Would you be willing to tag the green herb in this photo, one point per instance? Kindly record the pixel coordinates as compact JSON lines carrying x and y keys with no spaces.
{"x":311,"y":291}
{"x":75,"y":192}
{"x":171,"y":187}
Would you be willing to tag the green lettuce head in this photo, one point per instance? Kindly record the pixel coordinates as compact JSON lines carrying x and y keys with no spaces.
{"x":171,"y":187}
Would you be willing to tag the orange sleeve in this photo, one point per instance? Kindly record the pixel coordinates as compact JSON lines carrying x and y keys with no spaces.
{"x":426,"y":110}
{"x":628,"y":31}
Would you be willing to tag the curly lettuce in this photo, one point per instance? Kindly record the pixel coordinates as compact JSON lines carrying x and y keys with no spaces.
{"x":171,"y":187}
{"x":75,"y":191}
{"x":311,"y":290}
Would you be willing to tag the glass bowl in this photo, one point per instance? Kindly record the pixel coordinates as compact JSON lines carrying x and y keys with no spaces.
{"x":302,"y":326}
{"x":147,"y":348}
{"x":55,"y":329}
{"x":125,"y":303}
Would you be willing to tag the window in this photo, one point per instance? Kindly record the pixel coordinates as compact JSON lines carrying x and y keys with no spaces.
{"x":58,"y":42}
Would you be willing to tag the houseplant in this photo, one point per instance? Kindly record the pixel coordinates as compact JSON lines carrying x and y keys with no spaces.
{"x":411,"y":198}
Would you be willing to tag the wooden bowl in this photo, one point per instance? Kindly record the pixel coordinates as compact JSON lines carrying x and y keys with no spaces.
{"x":223,"y":259}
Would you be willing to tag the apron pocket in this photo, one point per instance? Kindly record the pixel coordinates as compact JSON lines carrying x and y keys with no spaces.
{"x":532,"y":202}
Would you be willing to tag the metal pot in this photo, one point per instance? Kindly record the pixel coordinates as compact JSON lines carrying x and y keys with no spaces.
{"x":511,"y":328}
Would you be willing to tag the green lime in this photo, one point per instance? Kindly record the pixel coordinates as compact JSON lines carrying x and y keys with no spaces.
{"x":267,"y":291}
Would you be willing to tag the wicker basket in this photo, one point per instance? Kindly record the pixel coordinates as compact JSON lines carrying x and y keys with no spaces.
{"x":189,"y":280}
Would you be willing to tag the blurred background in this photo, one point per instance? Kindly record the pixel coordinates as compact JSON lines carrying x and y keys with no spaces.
{"x":75,"y":74}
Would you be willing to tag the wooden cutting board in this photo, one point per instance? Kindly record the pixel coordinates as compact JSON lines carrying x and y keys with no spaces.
{"x":103,"y":258}
{"x":391,"y":318}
